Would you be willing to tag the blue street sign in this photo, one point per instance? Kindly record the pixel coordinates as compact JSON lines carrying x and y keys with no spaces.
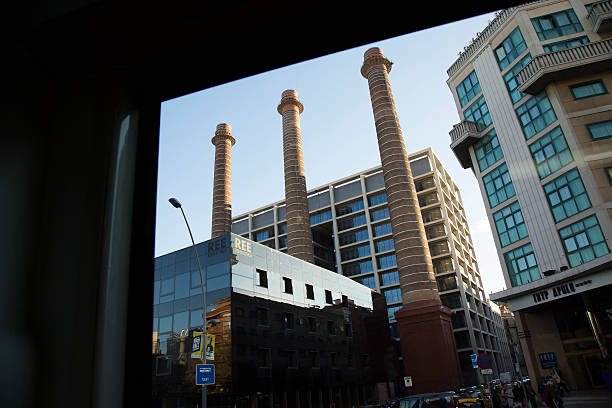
{"x":474,"y":358}
{"x":205,"y":374}
{"x":548,"y":360}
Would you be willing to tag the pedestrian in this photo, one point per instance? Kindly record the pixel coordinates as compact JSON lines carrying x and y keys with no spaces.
{"x":547,"y":394}
{"x":517,"y":390}
{"x":558,"y":379}
{"x":510,"y":396}
{"x":496,"y":397}
{"x":532,"y":399}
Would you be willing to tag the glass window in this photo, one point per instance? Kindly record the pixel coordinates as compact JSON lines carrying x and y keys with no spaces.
{"x":156,"y":289}
{"x":556,"y":25}
{"x":428,"y":199}
{"x":381,"y":229}
{"x":391,"y":313}
{"x":438,"y":248}
{"x":488,"y":150}
{"x":351,"y":222}
{"x":588,"y":89}
{"x":328,"y":297}
{"x":379,"y":214}
{"x":498,"y":185}
{"x":195,"y":318}
{"x":389,"y":278}
{"x":566,"y":195}
{"x":424,"y":184}
{"x":288,"y":286}
{"x":265,"y":234}
{"x":182,"y":286}
{"x":535,"y":114}
{"x":432,"y":215}
{"x":512,"y":80}
{"x":510,"y":224}
{"x":435,"y":231}
{"x":368,"y":281}
{"x":478,"y":112}
{"x":357,"y":268}
{"x":600,"y":130}
{"x":468,"y":89}
{"x":384,"y":245}
{"x":355,"y":252}
{"x":550,"y":152}
{"x":343,"y":209}
{"x":452,"y":301}
{"x":443,"y":265}
{"x":353,"y":236}
{"x":510,"y":49}
{"x":309,"y":291}
{"x":583,"y":241}
{"x":282,"y":242}
{"x":522,"y":265}
{"x":167,"y":286}
{"x":562,"y":45}
{"x":282,"y":229}
{"x":377,"y":199}
{"x":386,"y":261}
{"x":320,"y":217}
{"x":262,"y":316}
{"x":165,"y":323}
{"x":447,"y":283}
{"x":393,"y":295}
{"x":181,"y":322}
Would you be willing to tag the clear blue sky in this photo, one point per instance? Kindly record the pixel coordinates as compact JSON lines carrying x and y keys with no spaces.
{"x":338,"y":134}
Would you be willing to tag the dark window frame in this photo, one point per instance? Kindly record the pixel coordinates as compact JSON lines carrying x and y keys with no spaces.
{"x":287,"y":285}
{"x":309,"y":291}
{"x":263,"y":277}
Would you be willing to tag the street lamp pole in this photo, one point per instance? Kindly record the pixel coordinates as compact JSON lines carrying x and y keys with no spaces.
{"x":178,"y":205}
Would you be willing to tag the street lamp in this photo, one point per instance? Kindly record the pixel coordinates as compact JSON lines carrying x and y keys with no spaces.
{"x":178,"y":205}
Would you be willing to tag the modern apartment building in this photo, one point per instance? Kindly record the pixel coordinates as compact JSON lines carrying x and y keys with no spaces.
{"x":351,"y":232}
{"x":532,"y":94}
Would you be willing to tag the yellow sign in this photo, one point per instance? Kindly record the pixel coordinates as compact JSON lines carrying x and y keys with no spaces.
{"x":196,"y":349}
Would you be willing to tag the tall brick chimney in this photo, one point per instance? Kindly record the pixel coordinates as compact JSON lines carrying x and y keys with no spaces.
{"x":222,"y":187}
{"x":424,"y":324}
{"x":299,"y":235}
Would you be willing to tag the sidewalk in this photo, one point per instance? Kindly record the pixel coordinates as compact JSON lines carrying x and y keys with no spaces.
{"x":588,"y":399}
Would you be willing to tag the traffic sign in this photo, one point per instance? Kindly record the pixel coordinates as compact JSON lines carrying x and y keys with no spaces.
{"x":548,"y":360}
{"x":408,"y":381}
{"x":485,"y":361}
{"x":474,"y":358}
{"x":205,"y":374}
{"x":485,"y":371}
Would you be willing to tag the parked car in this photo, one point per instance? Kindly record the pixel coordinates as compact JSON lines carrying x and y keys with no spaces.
{"x":436,"y":400}
{"x":472,"y":398}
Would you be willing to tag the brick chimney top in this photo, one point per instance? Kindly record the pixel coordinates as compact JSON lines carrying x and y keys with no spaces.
{"x":223,"y":131}
{"x":374,"y":56}
{"x":289,"y":97}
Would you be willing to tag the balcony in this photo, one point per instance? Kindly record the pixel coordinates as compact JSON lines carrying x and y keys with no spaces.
{"x":563,"y":64}
{"x":464,"y":135}
{"x":601,"y":16}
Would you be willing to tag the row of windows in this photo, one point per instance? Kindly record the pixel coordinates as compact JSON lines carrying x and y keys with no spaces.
{"x":478,"y":112}
{"x":386,"y":278}
{"x":262,"y":280}
{"x":556,"y":25}
{"x":583,"y":241}
{"x":512,"y":81}
{"x":320,"y":217}
{"x":535,"y":115}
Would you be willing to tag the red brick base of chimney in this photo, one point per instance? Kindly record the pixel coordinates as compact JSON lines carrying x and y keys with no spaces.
{"x":428,"y":347}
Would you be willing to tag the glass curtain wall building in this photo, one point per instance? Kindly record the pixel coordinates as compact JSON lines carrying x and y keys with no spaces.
{"x":286,"y":332}
{"x":541,"y":155}
{"x":352,"y":236}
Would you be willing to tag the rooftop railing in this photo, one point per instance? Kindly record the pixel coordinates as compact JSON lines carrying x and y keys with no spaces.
{"x":599,"y":9}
